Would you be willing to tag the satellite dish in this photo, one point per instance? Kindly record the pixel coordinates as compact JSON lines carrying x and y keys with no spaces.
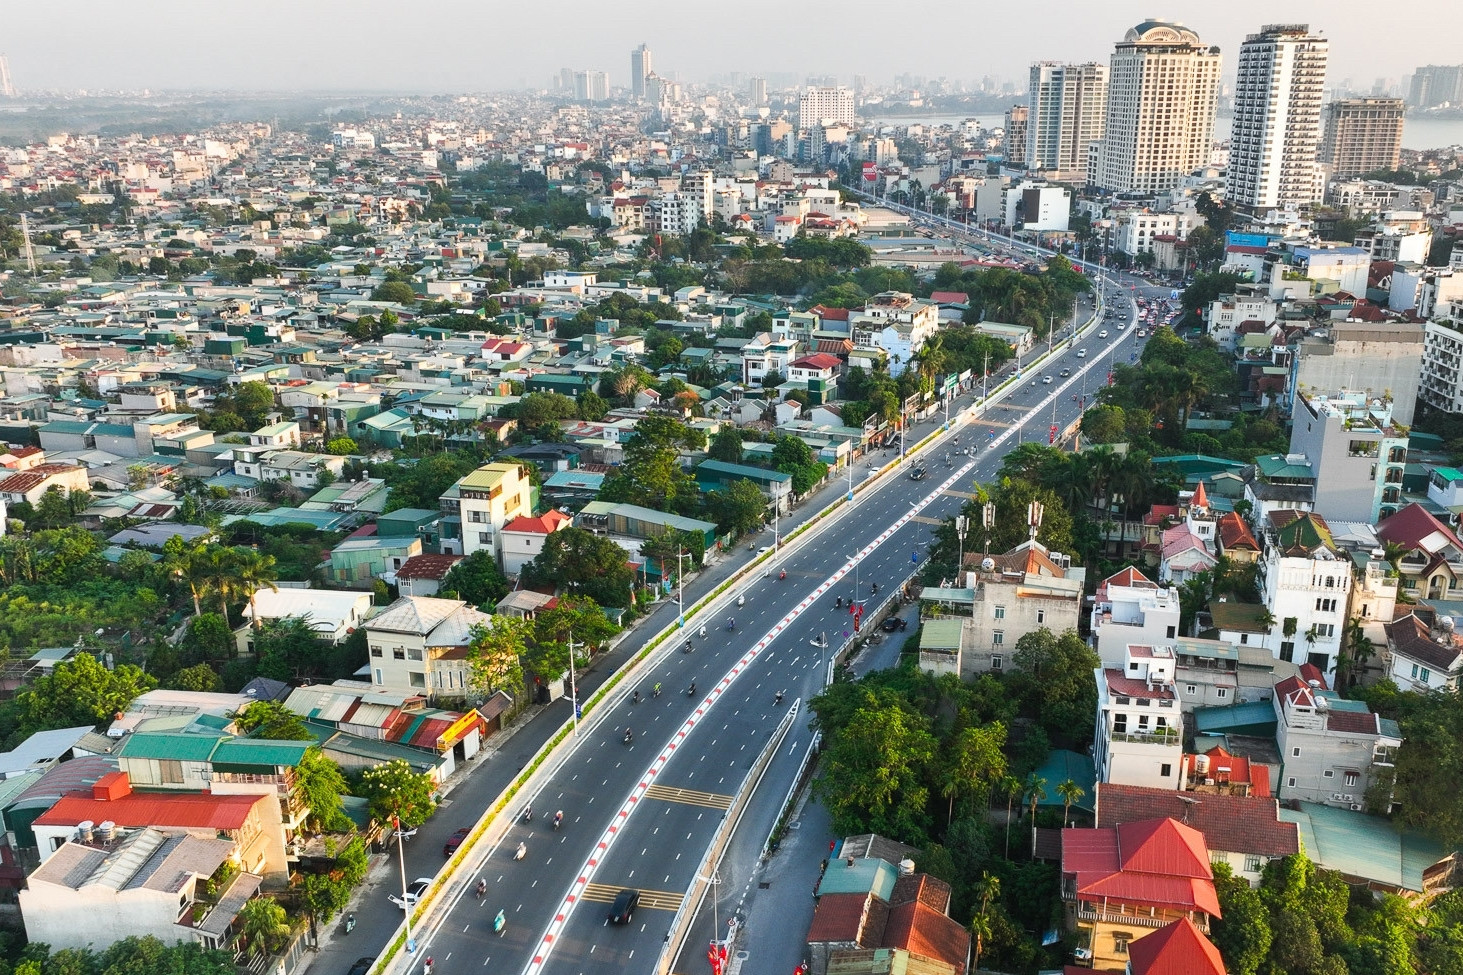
{"x":987,"y":564}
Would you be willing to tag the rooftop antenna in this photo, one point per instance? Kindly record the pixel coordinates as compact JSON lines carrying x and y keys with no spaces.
{"x":1033,"y":518}
{"x":1189,"y":804}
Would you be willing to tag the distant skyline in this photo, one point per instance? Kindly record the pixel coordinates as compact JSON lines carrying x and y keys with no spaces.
{"x":456,"y":46}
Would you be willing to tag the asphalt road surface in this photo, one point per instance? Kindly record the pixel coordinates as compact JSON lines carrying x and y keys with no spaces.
{"x":641,"y":814}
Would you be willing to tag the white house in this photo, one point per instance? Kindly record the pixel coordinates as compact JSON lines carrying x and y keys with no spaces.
{"x":1423,"y":657}
{"x":1305,"y":582}
{"x":524,"y":538}
{"x":1132,"y":609}
{"x":331,"y":615}
{"x":1331,"y":749}
{"x":896,"y":322}
{"x":1139,"y":738}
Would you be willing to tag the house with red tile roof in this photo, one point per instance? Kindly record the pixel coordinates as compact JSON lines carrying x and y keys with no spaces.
{"x":864,"y":904}
{"x":1123,"y":883}
{"x":422,"y":575}
{"x":523,"y":538}
{"x":1244,"y":831}
{"x":1236,"y":541}
{"x":1432,"y":567}
{"x":1178,"y":949}
{"x":1422,"y":655}
{"x":30,"y":485}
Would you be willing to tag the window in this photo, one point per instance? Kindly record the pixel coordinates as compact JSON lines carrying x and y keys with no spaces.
{"x":996,"y":662}
{"x":417,"y":679}
{"x":1325,"y":605}
{"x":1190,"y":689}
{"x":998,"y":638}
{"x":485,"y":538}
{"x":1142,"y":722}
{"x":398,"y":653}
{"x":413,"y":654}
{"x":1295,"y":752}
{"x":1290,"y":782}
{"x":1133,"y":665}
{"x":1287,"y":650}
{"x":1325,"y":630}
{"x":1414,"y":671}
{"x":376,"y":676}
{"x":1221,"y":692}
{"x":1424,"y":675}
{"x":1329,"y":774}
{"x":375,"y":651}
{"x":1253,"y":864}
{"x":1120,"y":723}
{"x":1351,"y":779}
{"x":1041,"y":616}
{"x":1172,"y":631}
{"x":1243,"y":637}
{"x":1120,"y":941}
{"x":1000,"y":612}
{"x":1165,"y":770}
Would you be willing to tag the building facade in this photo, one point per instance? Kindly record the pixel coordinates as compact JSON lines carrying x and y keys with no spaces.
{"x":418,"y":645}
{"x":1017,"y":131}
{"x":1362,"y":135}
{"x":1132,"y":609}
{"x":490,"y":497}
{"x":640,"y":68}
{"x":1163,"y":83}
{"x":1358,"y":455}
{"x":1305,"y":584}
{"x":1139,"y":738}
{"x":1067,"y":107}
{"x":1331,"y":749}
{"x":1277,"y":119}
{"x":825,"y":104}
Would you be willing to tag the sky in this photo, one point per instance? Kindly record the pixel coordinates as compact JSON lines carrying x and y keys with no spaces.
{"x":482,"y":45}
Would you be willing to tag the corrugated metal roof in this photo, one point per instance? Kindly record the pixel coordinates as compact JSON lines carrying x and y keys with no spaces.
{"x":373,"y":715}
{"x":429,"y":731}
{"x":183,"y":810}
{"x":255,"y":751}
{"x":168,"y":746}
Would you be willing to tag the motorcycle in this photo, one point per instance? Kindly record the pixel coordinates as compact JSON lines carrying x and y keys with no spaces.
{"x":482,"y":889}
{"x":741,"y":601}
{"x":635,"y":698}
{"x":629,"y":736}
{"x":521,"y":852}
{"x":350,"y":922}
{"x":782,"y":575}
{"x":427,"y":967}
{"x":686,"y":648}
{"x":558,"y":819}
{"x":778,"y":700}
{"x":691,"y":691}
{"x":499,"y":923}
{"x":528,"y":814}
{"x":731,"y":625}
{"x":655,"y":691}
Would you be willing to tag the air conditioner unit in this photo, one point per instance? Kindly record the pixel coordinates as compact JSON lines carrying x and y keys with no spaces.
{"x":1356,"y":807}
{"x":1337,"y":797}
{"x":1348,"y":798}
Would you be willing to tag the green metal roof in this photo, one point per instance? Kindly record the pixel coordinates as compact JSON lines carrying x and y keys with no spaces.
{"x":168,"y":746}
{"x":940,"y":634}
{"x":1062,"y":765}
{"x":1252,"y":717}
{"x":1448,"y":474}
{"x":1364,"y":846}
{"x":259,"y":752}
{"x":865,"y":875}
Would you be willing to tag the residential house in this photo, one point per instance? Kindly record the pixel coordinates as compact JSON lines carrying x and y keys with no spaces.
{"x":1131,"y":609}
{"x":1305,"y":583}
{"x":1236,"y":541}
{"x":419,"y":645}
{"x":1332,"y":750}
{"x":359,"y":561}
{"x":1276,"y":483}
{"x":303,"y":470}
{"x":1357,"y":454}
{"x":1423,"y":652}
{"x":1245,"y":832}
{"x":1372,"y":853}
{"x":29,"y":486}
{"x":330,"y":614}
{"x":1177,"y":947}
{"x":865,"y":904}
{"x":150,"y":883}
{"x":422,"y":575}
{"x":489,"y":498}
{"x":1218,"y":673}
{"x":279,"y":436}
{"x":1123,"y":883}
{"x":524,"y":538}
{"x":1004,"y":597}
{"x":717,"y":475}
{"x":1140,"y":726}
{"x":1432,"y":566}
{"x":896,"y":322}
{"x":764,"y":355}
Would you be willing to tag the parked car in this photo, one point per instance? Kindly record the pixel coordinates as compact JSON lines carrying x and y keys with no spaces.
{"x":455,"y":840}
{"x":893,"y":623}
{"x":362,"y":966}
{"x":414,"y":893}
{"x":623,"y":909}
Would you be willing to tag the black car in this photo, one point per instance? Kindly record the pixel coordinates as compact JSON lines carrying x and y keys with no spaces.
{"x":918,"y":474}
{"x":623,"y":909}
{"x":362,"y":966}
{"x":894,"y":623}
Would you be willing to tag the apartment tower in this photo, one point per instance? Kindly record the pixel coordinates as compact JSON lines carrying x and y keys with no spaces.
{"x":819,"y":104}
{"x":1016,"y":132}
{"x":639,"y":68}
{"x":1362,"y":135}
{"x":1162,"y":83}
{"x":1277,"y":119}
{"x":1067,"y":108}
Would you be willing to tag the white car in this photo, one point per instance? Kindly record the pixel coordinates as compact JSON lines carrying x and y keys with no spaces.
{"x":1102,"y":334}
{"x":413,"y":893}
{"x":1081,"y":353}
{"x":1046,"y":380}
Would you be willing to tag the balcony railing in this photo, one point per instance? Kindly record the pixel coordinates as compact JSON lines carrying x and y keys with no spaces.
{"x":1168,"y":737}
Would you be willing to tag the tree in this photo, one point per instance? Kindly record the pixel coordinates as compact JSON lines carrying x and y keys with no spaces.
{"x":396,"y":291}
{"x":208,"y":640}
{"x":341,"y":446}
{"x":395,"y":793}
{"x":1057,"y":672}
{"x":980,"y":930}
{"x":741,"y":508}
{"x":476,"y":579}
{"x":199,"y":677}
{"x":319,"y":784}
{"x":582,"y":563}
{"x":1036,"y":790}
{"x":79,"y":691}
{"x":273,"y":721}
{"x":574,"y":618}
{"x":726,"y":446}
{"x":327,"y":894}
{"x":976,"y":764}
{"x":264,"y":925}
{"x":1242,"y":933}
{"x":287,"y":650}
{"x":1070,"y":792}
{"x":494,"y":655}
{"x":875,"y":773}
{"x":253,"y":571}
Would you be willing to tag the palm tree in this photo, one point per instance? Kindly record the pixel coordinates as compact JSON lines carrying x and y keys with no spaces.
{"x":219,"y":568}
{"x":987,"y":888}
{"x":980,"y":930}
{"x":255,"y":572}
{"x":264,"y":925}
{"x":1011,"y":786}
{"x":1036,"y":789}
{"x":187,"y":563}
{"x":1070,"y":792}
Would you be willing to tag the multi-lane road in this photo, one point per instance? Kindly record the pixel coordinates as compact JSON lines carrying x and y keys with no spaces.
{"x":642,"y":814}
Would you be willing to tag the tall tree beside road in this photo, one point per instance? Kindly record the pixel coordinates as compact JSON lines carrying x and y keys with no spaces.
{"x":79,"y":691}
{"x":741,"y":508}
{"x":477,"y":580}
{"x":874,"y":773}
{"x":394,"y":790}
{"x":581,"y":563}
{"x":495,"y":655}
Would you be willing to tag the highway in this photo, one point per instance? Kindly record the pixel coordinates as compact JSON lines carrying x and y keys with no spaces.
{"x":641,"y":815}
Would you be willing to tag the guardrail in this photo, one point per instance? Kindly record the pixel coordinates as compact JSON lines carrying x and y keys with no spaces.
{"x":680,"y":928}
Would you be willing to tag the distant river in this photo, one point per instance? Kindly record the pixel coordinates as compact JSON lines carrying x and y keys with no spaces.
{"x":1417,"y":133}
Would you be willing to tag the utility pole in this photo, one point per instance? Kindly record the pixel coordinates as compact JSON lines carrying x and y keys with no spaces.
{"x":680,"y":582}
{"x":573,"y":689}
{"x":401,"y":837}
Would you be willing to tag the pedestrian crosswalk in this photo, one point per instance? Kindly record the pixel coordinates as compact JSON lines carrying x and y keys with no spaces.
{"x":670,"y":793}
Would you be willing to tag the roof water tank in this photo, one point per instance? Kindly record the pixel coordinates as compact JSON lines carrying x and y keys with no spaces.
{"x":83,"y":830}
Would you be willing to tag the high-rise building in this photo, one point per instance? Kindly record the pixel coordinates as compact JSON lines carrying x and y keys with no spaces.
{"x":1362,"y":135}
{"x":591,"y":86}
{"x":1017,"y":131}
{"x":639,"y":68}
{"x":1436,"y":84}
{"x":1068,"y":106}
{"x":7,"y":90}
{"x":1161,"y":88}
{"x":819,"y":104}
{"x":757,"y":91}
{"x":1277,"y":119}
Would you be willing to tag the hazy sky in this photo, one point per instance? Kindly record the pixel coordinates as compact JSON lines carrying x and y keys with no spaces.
{"x":477,"y":45}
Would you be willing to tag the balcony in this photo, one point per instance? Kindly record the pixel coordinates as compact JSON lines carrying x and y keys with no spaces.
{"x":1167,"y":737}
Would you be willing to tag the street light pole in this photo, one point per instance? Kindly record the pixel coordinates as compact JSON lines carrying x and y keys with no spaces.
{"x":401,"y":837}
{"x":573,"y":689}
{"x":681,"y":585}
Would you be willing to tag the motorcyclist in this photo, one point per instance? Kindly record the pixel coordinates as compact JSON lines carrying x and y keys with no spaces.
{"x":839,"y":604}
{"x":731,"y":623}
{"x":703,"y":632}
{"x":779,"y":696}
{"x":692,"y":691}
{"x":655,"y":691}
{"x":629,"y":735}
{"x":782,"y":575}
{"x":635,"y":697}
{"x":482,"y":887}
{"x":559,"y":816}
{"x":427,"y":966}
